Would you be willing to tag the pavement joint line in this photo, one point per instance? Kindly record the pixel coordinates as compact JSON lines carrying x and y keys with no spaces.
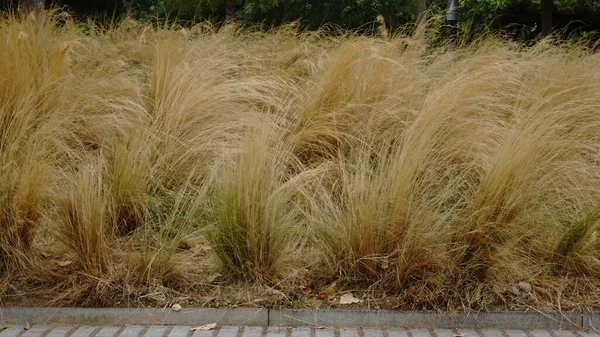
{"x":118,"y":333}
{"x":143,"y":331}
{"x":432,"y":332}
{"x":46,"y":332}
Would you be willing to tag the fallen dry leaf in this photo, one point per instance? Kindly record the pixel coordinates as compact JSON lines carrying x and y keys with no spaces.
{"x":64,"y":263}
{"x":176,"y":307}
{"x":27,"y":326}
{"x":332,"y":289}
{"x":205,"y":327}
{"x":214,"y":278}
{"x":349,"y":299}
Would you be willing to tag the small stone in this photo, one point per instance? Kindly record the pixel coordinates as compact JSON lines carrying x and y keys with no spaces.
{"x":176,"y":307}
{"x":525,"y":286}
{"x":27,"y":326}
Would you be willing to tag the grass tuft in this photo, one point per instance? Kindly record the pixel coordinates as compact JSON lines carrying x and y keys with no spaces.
{"x":252,"y":209}
{"x":150,"y":164}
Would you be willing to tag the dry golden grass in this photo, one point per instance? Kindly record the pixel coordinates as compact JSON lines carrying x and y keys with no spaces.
{"x":217,"y":166}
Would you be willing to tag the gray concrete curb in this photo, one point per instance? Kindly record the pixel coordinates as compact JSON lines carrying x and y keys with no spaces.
{"x":150,"y":316}
{"x":416,"y":319}
{"x":338,"y":318}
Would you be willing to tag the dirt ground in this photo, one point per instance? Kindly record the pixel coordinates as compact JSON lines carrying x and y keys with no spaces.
{"x":301,"y":287}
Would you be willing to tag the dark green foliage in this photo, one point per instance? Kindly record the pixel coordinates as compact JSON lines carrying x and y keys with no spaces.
{"x":346,"y":14}
{"x":349,"y":14}
{"x":519,"y":19}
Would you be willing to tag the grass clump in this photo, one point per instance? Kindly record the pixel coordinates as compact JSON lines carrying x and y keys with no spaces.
{"x":577,"y":250}
{"x":252,"y":209}
{"x":144,"y":165}
{"x":85,"y":230}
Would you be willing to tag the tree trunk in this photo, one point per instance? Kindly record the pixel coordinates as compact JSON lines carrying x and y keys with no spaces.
{"x":231,"y":9}
{"x":546,"y":17}
{"x":32,"y":5}
{"x":421,"y":7}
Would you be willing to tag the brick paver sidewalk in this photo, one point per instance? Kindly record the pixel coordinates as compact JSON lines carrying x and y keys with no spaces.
{"x":235,"y":331}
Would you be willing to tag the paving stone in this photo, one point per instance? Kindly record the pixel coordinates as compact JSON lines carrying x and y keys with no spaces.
{"x":301,"y":332}
{"x":328,"y":332}
{"x":587,"y":333}
{"x":199,"y":333}
{"x":348,"y":332}
{"x":516,"y":333}
{"x":563,"y":333}
{"x":60,"y":331}
{"x":108,"y":331}
{"x":156,"y":331}
{"x":420,"y":333}
{"x":492,"y":333}
{"x":396,"y":332}
{"x":443,"y":332}
{"x":277,"y":331}
{"x":35,"y":331}
{"x":373,"y":332}
{"x":85,"y":331}
{"x":540,"y":333}
{"x":12,"y":331}
{"x":468,"y":332}
{"x":252,"y":331}
{"x":132,"y":331}
{"x":179,"y":331}
{"x":228,"y":331}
